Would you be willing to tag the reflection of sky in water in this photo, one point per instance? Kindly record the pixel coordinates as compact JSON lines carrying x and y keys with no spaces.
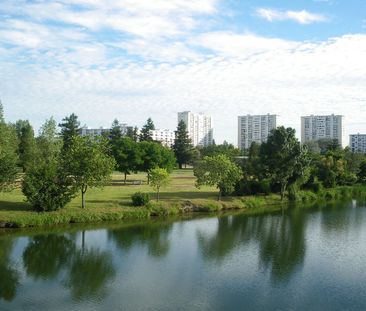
{"x":303,"y":259}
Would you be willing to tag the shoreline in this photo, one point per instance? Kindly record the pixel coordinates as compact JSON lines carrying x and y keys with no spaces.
{"x":249,"y":205}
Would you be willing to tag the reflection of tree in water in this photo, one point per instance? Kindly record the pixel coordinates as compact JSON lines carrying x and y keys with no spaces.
{"x":281,"y":240}
{"x":282,"y":243}
{"x":9,"y":276}
{"x":88,"y":270}
{"x":154,"y":235}
{"x":46,"y":255}
{"x":89,"y":273}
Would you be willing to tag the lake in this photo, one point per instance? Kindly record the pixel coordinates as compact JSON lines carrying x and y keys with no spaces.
{"x":298,"y":259}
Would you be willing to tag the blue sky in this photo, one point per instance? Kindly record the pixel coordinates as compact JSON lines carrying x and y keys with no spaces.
{"x":134,"y":59}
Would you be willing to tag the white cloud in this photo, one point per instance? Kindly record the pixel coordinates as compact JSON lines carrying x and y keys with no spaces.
{"x":290,"y":80}
{"x":302,"y":17}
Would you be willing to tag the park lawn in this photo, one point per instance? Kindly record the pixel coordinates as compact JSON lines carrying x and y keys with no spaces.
{"x":112,"y":202}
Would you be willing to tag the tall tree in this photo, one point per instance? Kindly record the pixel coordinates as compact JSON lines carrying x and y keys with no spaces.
{"x":145,"y":134}
{"x":182,"y":145}
{"x":27,"y":143}
{"x":8,"y":154}
{"x":127,"y":155}
{"x":70,"y":127}
{"x":48,"y":142}
{"x":217,"y":171}
{"x":283,"y":157}
{"x":116,"y":132}
{"x":132,"y":132}
{"x":89,"y":163}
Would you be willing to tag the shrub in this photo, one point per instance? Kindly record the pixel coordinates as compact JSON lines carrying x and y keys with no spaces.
{"x":140,"y":199}
{"x":46,"y":187}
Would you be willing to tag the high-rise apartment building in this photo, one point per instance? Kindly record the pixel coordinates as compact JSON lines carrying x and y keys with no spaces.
{"x":199,"y":127}
{"x":254,"y":129}
{"x":102,"y":131}
{"x":166,"y":137}
{"x":357,"y":143}
{"x":322,"y":127}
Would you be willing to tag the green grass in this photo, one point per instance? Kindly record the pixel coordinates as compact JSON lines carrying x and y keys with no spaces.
{"x":113,"y":202}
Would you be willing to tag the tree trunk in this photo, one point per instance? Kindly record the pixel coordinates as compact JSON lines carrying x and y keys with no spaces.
{"x":219,"y":198}
{"x":180,"y":165}
{"x":83,"y":240}
{"x":125,"y":177}
{"x":83,"y":191}
{"x":283,"y":189}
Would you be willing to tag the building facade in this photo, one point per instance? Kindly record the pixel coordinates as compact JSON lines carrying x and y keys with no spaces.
{"x":102,"y":131}
{"x":166,"y":137}
{"x":199,"y":127}
{"x":254,"y":129}
{"x":357,"y":143}
{"x":322,"y":127}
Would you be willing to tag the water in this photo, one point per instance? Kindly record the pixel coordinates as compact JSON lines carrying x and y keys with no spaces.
{"x":313,"y":259}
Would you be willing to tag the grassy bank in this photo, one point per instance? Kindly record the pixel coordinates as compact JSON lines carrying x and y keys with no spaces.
{"x":113,"y":203}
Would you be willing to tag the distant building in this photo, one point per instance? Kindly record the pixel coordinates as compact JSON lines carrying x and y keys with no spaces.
{"x":254,"y":129}
{"x":357,"y":143}
{"x":166,"y":137}
{"x":322,"y":127}
{"x":102,"y":131}
{"x":199,"y":127}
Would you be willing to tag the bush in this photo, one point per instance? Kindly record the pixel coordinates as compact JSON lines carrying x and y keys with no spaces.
{"x":46,"y":187}
{"x":140,"y":199}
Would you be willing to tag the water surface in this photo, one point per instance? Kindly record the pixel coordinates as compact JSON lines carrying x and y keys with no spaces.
{"x":301,"y":259}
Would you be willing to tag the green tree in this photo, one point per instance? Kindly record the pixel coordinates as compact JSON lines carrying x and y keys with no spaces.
{"x":362,"y":173}
{"x":116,"y":132}
{"x":70,"y":127}
{"x":127,"y":155}
{"x":226,"y":149}
{"x":218,"y":171}
{"x":47,"y":186}
{"x":182,"y":145}
{"x":283,"y":157}
{"x":88,"y":162}
{"x":155,"y":155}
{"x":48,"y":142}
{"x":145,"y":134}
{"x":27,"y":143}
{"x":8,"y":154}
{"x":159,"y":177}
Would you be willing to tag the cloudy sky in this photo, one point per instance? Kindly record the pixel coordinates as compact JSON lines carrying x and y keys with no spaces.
{"x":134,"y":59}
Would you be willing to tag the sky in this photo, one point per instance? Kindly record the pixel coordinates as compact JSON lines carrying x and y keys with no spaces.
{"x":134,"y":59}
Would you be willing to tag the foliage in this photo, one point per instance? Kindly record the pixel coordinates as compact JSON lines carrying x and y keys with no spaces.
{"x":27,"y":143}
{"x":8,"y":155}
{"x":225,"y":149}
{"x":88,"y":162}
{"x":140,"y":199}
{"x":70,"y":128}
{"x":48,"y":143}
{"x":159,"y":177}
{"x":283,"y":158}
{"x":116,"y":132}
{"x":145,"y":134}
{"x":46,"y":186}
{"x":362,"y":172}
{"x":182,"y":145}
{"x":218,"y":171}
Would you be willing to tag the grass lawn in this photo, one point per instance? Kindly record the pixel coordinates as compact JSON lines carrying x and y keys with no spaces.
{"x":109,"y":200}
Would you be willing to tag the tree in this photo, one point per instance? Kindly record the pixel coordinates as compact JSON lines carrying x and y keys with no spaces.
{"x":132,"y":132}
{"x":155,"y":155}
{"x":362,"y":173}
{"x":218,"y":171}
{"x":116,"y":132}
{"x":127,"y":155}
{"x":182,"y":145}
{"x":48,"y":143}
{"x":159,"y":177}
{"x":145,"y":134}
{"x":8,"y":155}
{"x":70,"y":127}
{"x":283,"y":157}
{"x":27,"y":143}
{"x":88,"y":163}
{"x":46,"y":186}
{"x":226,"y":149}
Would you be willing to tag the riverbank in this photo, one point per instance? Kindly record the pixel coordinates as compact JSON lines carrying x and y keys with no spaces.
{"x":113,"y":203}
